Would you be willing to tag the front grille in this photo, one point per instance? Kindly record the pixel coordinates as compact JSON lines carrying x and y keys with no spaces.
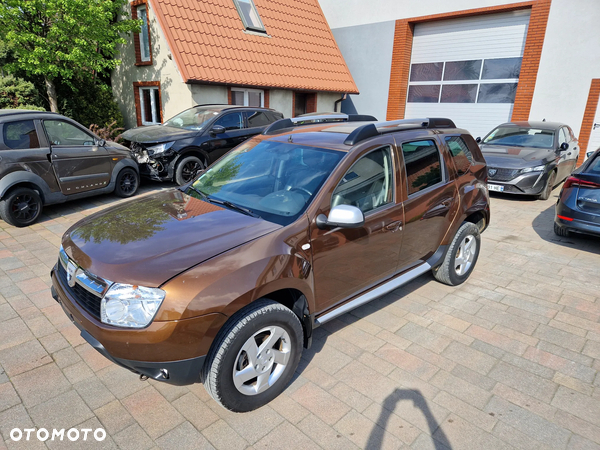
{"x":85,"y":299}
{"x":502,"y":174}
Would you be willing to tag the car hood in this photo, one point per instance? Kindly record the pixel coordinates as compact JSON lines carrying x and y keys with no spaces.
{"x":157,"y":133}
{"x":516,"y":157}
{"x":149,"y":240}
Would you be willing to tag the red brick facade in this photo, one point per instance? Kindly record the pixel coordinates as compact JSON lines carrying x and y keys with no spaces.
{"x":403,"y":38}
{"x":588,"y":118}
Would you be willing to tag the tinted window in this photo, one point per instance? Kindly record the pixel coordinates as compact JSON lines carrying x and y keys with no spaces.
{"x":257,"y":119}
{"x":462,"y":70}
{"x":497,"y":93}
{"x":520,"y":137}
{"x":423,"y":167}
{"x":368,"y":184}
{"x":461,"y":155}
{"x":426,"y":72}
{"x":459,"y":93}
{"x":63,"y":133}
{"x":231,"y":121}
{"x":494,"y":69}
{"x":595,"y":165}
{"x":20,"y":135}
{"x":428,"y":93}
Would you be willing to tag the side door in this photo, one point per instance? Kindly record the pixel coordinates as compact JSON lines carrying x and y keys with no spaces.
{"x":80,"y":165}
{"x":431,"y":200}
{"x":348,"y":261}
{"x":573,"y":151}
{"x":235,"y":133}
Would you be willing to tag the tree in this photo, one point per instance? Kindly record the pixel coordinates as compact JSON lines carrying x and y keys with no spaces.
{"x":18,"y":93}
{"x":63,"y":39}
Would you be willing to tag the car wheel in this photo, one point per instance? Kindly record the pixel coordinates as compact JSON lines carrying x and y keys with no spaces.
{"x":254,"y":357}
{"x":21,"y":207}
{"x":560,"y":231}
{"x":127,"y":183}
{"x":545,"y":195}
{"x":461,"y":256}
{"x":187,"y":169}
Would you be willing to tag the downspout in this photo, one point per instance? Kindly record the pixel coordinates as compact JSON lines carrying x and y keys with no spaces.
{"x":337,"y":102}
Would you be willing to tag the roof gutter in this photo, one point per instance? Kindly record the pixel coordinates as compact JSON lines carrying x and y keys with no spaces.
{"x":337,"y":102}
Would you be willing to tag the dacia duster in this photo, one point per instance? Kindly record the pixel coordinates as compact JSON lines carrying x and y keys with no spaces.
{"x":223,"y":280}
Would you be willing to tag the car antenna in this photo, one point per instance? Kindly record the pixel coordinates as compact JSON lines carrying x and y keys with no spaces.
{"x":290,"y":139}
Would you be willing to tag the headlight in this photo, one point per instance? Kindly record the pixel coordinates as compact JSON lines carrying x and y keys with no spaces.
{"x":130,"y":306}
{"x":533,"y":169}
{"x":160,"y":148}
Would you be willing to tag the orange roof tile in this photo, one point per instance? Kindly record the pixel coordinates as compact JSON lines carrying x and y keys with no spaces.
{"x":210,"y":44}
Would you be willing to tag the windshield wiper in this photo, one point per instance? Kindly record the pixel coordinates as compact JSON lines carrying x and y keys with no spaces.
{"x":230,"y":205}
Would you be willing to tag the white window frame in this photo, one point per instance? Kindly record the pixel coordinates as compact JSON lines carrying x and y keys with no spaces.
{"x":144,"y":57}
{"x":153,"y":106}
{"x":245,"y":91}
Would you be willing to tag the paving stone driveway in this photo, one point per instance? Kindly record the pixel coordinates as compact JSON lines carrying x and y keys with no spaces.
{"x":508,"y":359}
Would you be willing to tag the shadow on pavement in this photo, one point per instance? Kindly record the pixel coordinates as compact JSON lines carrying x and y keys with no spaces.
{"x":440,"y":442}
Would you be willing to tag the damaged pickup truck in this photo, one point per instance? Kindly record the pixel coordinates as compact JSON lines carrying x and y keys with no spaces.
{"x":192,"y":140}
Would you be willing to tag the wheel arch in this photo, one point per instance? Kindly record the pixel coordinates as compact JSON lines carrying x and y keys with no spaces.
{"x":27,"y":180}
{"x":192,"y":151}
{"x":122,"y":164}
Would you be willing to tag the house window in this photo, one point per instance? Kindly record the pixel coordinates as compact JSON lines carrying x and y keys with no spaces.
{"x":473,"y":81}
{"x":142,"y":43}
{"x":148,"y":103}
{"x":248,"y":97}
{"x":249,"y":15}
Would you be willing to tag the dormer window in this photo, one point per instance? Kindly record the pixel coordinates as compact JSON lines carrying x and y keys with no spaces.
{"x":249,"y":15}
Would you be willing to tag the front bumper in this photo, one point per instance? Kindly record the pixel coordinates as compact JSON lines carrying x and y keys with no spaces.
{"x":170,"y":351}
{"x":527,"y":184}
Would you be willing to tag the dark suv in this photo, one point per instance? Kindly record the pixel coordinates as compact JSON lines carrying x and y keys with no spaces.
{"x":223,"y":280}
{"x":192,"y":140}
{"x":46,"y":158}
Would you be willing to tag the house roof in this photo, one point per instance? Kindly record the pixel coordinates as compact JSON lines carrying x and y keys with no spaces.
{"x":210,"y":44}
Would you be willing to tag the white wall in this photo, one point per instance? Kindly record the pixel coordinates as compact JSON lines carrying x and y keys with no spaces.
{"x":203,"y":94}
{"x":281,"y":101}
{"x":326,"y":101}
{"x":570,"y":59}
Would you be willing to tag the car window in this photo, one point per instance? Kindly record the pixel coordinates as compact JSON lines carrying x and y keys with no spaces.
{"x":520,"y":137}
{"x":563,"y":136}
{"x":63,"y":133}
{"x":423,"y":166}
{"x":20,"y":135}
{"x":368,"y":184}
{"x":231,"y":121}
{"x":192,"y":119}
{"x":594,"y":166}
{"x":257,"y":119}
{"x":461,"y":155}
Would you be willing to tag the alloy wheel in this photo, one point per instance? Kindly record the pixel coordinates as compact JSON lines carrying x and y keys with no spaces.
{"x":24,"y":207}
{"x":465,"y":255}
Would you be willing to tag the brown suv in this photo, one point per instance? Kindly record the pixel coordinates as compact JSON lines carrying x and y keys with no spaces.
{"x":224,"y":279}
{"x":47,"y":158}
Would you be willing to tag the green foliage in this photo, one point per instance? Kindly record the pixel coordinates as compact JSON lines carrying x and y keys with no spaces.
{"x":64,"y":38}
{"x":89,"y":102}
{"x":16,"y":93}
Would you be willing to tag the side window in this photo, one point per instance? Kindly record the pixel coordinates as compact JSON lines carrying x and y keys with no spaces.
{"x":461,"y":155}
{"x":423,"y":167}
{"x":257,"y":119}
{"x":231,"y":121}
{"x":20,"y":135}
{"x":563,"y":136}
{"x":63,"y":133}
{"x":368,"y":184}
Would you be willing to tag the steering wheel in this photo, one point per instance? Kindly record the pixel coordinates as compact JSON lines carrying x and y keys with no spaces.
{"x":301,"y":189}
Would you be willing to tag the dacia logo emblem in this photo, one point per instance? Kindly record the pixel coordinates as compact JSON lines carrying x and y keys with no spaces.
{"x":492,"y":172}
{"x":71,"y":274}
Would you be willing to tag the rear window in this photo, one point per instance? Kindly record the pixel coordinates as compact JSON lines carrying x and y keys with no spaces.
{"x":20,"y":135}
{"x":594,"y":166}
{"x":423,"y":166}
{"x":257,"y":119}
{"x":461,"y":155}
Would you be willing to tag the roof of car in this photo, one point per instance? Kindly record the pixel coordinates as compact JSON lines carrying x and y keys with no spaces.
{"x":542,"y":125}
{"x":15,"y":112}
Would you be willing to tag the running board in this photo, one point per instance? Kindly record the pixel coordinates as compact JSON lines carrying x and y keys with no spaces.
{"x":373,"y":294}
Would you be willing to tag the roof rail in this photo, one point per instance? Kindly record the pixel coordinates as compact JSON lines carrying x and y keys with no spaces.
{"x":313,"y":118}
{"x":370,"y":130}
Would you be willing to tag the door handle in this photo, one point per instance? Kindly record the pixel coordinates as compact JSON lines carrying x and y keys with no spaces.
{"x":447,"y":203}
{"x":394,"y":226}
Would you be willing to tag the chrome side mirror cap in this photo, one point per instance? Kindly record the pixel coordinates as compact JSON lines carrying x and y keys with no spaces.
{"x":343,"y":216}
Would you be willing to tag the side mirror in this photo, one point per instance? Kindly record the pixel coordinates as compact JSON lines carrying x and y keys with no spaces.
{"x":217,"y":129}
{"x":343,"y":216}
{"x":564,"y":146}
{"x":478,"y":140}
{"x":101,"y":143}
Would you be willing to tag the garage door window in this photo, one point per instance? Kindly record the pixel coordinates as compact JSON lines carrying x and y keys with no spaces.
{"x":489,"y":81}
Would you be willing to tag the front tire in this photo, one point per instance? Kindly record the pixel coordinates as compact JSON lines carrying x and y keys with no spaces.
{"x":127,"y":183}
{"x":545,"y":195}
{"x":461,"y":256}
{"x":21,"y":207}
{"x":254,"y":356}
{"x":187,"y":169}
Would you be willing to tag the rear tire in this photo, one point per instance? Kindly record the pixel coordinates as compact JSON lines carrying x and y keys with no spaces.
{"x":127,"y":183}
{"x":254,"y":356}
{"x":187,"y":169}
{"x":560,"y":231}
{"x":461,"y":256}
{"x":545,"y":195}
{"x":21,"y":207}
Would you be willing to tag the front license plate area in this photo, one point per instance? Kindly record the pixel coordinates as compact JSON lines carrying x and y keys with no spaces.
{"x":495,"y":188}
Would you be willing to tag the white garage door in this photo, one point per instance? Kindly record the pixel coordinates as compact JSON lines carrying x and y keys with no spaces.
{"x":467,"y":69}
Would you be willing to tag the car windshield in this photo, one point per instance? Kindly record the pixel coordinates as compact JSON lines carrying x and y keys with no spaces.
{"x":192,"y":119}
{"x":521,"y":137}
{"x":273,"y":180}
